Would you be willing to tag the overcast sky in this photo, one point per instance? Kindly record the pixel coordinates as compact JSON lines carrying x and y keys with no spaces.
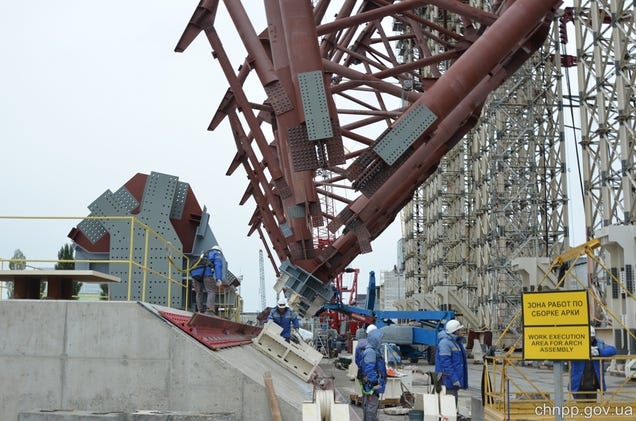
{"x":93,"y":93}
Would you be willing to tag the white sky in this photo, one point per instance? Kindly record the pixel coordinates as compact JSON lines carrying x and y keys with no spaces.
{"x":93,"y":93}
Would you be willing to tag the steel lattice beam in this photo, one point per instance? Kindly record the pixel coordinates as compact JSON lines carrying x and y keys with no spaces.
{"x":339,"y":98}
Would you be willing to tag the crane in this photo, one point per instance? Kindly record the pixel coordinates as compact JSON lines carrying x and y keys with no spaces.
{"x":339,"y":98}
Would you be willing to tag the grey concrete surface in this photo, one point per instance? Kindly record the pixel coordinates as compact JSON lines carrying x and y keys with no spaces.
{"x":135,"y":416}
{"x":413,"y":383}
{"x":469,"y":406}
{"x":123,"y":357}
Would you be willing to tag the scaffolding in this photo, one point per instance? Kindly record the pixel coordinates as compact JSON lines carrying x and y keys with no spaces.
{"x":499,"y":195}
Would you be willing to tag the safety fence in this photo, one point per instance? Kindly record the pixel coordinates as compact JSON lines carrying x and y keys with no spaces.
{"x":149,"y":256}
{"x":512,"y":391}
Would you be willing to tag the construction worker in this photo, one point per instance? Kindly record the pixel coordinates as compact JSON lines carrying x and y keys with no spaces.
{"x":284,"y":317}
{"x":585,"y":375}
{"x":207,"y":276}
{"x":359,"y":352}
{"x":373,"y":374}
{"x":450,"y":359}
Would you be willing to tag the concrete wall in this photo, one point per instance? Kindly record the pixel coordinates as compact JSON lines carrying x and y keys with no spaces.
{"x":123,"y":357}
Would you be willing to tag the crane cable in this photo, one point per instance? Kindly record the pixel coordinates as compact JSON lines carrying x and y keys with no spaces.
{"x":576,"y":149}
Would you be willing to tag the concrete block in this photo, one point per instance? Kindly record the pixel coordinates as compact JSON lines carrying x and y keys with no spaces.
{"x":301,"y":359}
{"x":311,"y":411}
{"x":339,"y":412}
{"x":447,"y":407}
{"x":428,"y":403}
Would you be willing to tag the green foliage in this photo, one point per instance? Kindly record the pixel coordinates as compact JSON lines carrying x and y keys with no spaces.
{"x":65,"y":254}
{"x":18,"y":261}
{"x":104,"y":294}
{"x":65,"y":258}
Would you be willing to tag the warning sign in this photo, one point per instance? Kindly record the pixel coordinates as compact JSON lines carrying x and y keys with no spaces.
{"x":556,"y":325}
{"x":556,"y":343}
{"x":555,"y":308}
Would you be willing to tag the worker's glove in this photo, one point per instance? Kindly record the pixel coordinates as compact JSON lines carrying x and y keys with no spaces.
{"x":457,"y":384}
{"x":594,"y":351}
{"x":376,"y":387}
{"x":218,"y":282}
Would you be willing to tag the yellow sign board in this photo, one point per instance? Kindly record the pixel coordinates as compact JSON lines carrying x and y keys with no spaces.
{"x":556,"y":325}
{"x":555,"y":308}
{"x":556,"y":343}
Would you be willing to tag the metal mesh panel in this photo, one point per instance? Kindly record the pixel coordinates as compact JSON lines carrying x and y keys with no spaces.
{"x":278,"y":98}
{"x":303,"y":152}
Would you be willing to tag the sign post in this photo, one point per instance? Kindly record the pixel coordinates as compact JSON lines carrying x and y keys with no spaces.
{"x":556,"y":326}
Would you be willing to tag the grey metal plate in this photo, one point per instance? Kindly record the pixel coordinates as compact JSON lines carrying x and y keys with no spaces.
{"x":314,"y":99}
{"x":404,"y":133}
{"x":178,"y":203}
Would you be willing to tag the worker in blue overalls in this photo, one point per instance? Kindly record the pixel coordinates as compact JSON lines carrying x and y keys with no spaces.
{"x":284,"y":317}
{"x":207,"y":276}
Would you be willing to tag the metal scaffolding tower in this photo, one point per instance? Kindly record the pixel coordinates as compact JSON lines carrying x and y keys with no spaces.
{"x":498,"y":196}
{"x":606,"y":57}
{"x":605,"y":36}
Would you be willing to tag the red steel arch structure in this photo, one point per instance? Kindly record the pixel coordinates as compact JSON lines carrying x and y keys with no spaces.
{"x":339,"y":96}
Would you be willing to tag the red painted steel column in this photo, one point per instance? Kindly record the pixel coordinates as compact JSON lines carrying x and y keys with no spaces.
{"x":458,"y":86}
{"x":296,"y":22}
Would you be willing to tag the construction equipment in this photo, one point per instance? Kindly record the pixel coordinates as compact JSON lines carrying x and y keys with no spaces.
{"x":329,"y":90}
{"x":421,"y":330}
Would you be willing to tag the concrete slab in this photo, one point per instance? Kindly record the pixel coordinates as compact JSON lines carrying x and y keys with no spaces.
{"x":124,"y":357}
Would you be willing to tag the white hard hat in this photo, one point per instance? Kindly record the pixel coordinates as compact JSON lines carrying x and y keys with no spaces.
{"x":592,"y":331}
{"x":282,"y":302}
{"x":453,"y":325}
{"x":216,"y":248}
{"x":371,"y":328}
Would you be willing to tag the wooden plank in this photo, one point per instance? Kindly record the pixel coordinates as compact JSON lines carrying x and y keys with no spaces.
{"x":26,"y":283}
{"x":44,"y":275}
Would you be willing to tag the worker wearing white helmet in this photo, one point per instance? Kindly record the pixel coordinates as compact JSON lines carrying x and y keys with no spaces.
{"x":284,"y":317}
{"x":450,"y":358}
{"x":359,"y":352}
{"x":207,"y":277}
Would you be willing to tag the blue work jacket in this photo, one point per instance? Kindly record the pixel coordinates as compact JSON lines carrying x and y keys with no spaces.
{"x":286,"y":320}
{"x":451,"y":360}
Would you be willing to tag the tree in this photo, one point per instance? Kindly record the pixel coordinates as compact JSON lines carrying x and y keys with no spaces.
{"x":17,"y":262}
{"x":65,"y":257}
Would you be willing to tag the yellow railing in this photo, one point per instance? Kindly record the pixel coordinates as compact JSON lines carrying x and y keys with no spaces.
{"x":511,"y":392}
{"x":173,"y":255}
